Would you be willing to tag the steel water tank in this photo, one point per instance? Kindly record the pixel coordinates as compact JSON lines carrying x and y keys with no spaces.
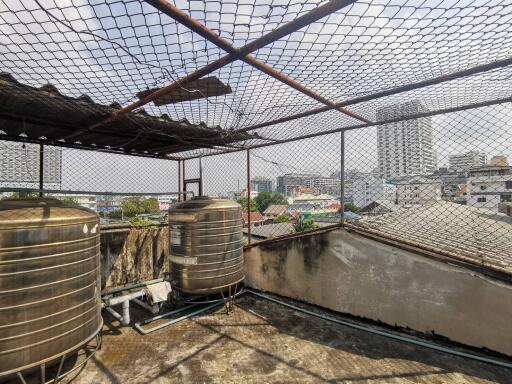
{"x":206,"y":245}
{"x":49,"y":281}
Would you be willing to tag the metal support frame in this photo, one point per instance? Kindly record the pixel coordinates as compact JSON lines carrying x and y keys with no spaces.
{"x":375,"y":124}
{"x":244,"y":52}
{"x":179,"y":180}
{"x":388,"y":92}
{"x":233,"y":53}
{"x":248,"y":197}
{"x":58,"y":376}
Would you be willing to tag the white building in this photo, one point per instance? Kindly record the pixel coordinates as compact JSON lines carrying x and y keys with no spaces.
{"x":321,"y":200}
{"x":467,"y":160}
{"x":367,"y":188}
{"x":418,"y":191}
{"x":405,"y":148}
{"x":254,"y":194}
{"x":489,"y":185}
{"x":87,"y":201}
{"x":19,"y":165}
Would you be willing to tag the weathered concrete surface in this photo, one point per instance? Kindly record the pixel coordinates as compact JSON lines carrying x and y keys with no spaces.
{"x":352,"y":274}
{"x":132,"y":255}
{"x":262,"y":342}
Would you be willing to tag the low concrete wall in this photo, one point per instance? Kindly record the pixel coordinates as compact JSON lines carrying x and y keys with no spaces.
{"x":132,"y":255}
{"x":349,"y":273}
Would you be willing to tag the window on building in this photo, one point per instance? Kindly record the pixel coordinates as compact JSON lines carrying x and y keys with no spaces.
{"x":508,"y":184}
{"x":506,"y":198}
{"x":481,"y":200}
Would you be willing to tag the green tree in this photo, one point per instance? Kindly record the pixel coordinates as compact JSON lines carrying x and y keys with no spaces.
{"x":70,"y":200}
{"x":302,"y":224}
{"x":351,"y":207}
{"x":264,"y":199}
{"x":243,"y":203}
{"x":284,"y":218}
{"x":151,"y":205}
{"x":137,"y":205}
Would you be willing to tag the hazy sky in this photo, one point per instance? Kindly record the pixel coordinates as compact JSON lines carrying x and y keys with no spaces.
{"x":370,"y":46}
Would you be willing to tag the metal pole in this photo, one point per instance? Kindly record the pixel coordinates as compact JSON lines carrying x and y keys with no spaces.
{"x":179,"y":180}
{"x":248,"y":197}
{"x":342,"y":175}
{"x":41,"y":169}
{"x":184,"y":182}
{"x":201,"y":176}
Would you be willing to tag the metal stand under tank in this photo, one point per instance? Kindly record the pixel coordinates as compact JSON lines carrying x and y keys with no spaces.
{"x":206,"y":246}
{"x":50,"y":304}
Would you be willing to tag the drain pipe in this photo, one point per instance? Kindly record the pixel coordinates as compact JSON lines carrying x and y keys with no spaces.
{"x":125,"y":301}
{"x":369,"y":329}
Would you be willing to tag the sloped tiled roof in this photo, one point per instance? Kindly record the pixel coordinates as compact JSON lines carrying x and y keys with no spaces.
{"x":474,"y":235}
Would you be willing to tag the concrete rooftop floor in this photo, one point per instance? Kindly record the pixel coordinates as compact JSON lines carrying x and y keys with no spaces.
{"x":263,"y":342}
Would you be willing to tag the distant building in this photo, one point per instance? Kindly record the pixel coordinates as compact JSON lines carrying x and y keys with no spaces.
{"x":87,"y":201}
{"x":19,"y":164}
{"x":256,"y":218}
{"x":466,"y":161}
{"x":418,"y":190}
{"x":287,"y":184}
{"x":254,"y":194}
{"x":366,"y":188}
{"x":275,"y":210}
{"x":320,"y":200}
{"x":489,"y":185}
{"x":499,"y":161}
{"x":405,"y":148}
{"x":165,"y":201}
{"x":261,"y":184}
{"x":379,"y":207}
{"x":453,"y":184}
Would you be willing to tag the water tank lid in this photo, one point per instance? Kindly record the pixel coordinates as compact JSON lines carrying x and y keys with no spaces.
{"x":21,"y":213}
{"x":204,"y":202}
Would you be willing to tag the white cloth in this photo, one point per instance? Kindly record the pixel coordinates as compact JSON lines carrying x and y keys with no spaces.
{"x":158,"y":292}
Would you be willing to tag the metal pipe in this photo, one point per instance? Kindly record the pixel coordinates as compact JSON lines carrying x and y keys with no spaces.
{"x":384,"y":333}
{"x":126,"y":313}
{"x":179,"y":179}
{"x":114,"y":313}
{"x":67,"y":192}
{"x":387,"y":92}
{"x":248,"y":197}
{"x":153,"y":309}
{"x":138,"y":326}
{"x":124,"y":298}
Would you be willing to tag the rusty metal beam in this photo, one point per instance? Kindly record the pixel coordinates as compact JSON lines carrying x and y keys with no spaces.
{"x":374,"y":124}
{"x":194,"y":25}
{"x":244,"y":52}
{"x":389,"y":92}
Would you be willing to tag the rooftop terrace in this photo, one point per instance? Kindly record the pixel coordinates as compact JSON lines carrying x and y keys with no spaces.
{"x":261,"y":341}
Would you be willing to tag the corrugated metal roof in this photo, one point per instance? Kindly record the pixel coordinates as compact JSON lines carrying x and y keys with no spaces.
{"x":44,"y":114}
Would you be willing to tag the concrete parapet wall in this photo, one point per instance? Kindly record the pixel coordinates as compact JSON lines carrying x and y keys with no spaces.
{"x":350,"y":273}
{"x":133,"y":254}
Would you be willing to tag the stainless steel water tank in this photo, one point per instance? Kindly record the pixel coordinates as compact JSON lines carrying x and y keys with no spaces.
{"x":49,"y":281}
{"x":206,"y":244}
